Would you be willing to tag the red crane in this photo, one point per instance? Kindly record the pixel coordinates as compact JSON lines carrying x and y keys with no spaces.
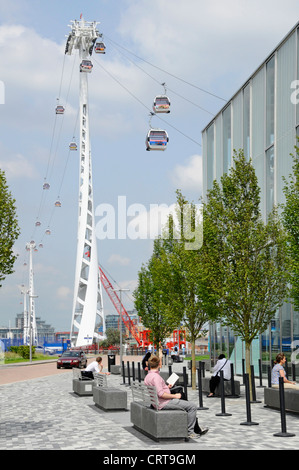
{"x":116,"y":302}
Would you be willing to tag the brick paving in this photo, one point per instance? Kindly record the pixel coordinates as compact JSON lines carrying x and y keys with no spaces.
{"x":43,"y":413}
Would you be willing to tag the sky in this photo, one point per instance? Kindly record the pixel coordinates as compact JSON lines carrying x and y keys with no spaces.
{"x":203,"y":51}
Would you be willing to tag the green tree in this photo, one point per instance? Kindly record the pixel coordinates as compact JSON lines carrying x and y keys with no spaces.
{"x":9,"y":229}
{"x":153,"y":295}
{"x":290,"y":215}
{"x":244,"y":259}
{"x":186,"y":266}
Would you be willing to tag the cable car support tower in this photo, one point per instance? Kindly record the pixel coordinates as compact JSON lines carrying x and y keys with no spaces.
{"x":88,"y":313}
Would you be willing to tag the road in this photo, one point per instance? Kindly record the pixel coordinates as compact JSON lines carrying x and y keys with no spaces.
{"x":19,"y":372}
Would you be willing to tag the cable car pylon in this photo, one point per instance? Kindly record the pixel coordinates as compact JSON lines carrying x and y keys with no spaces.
{"x":88,"y":312}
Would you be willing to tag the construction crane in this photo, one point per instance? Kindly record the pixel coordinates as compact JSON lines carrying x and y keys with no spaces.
{"x":121,"y":311}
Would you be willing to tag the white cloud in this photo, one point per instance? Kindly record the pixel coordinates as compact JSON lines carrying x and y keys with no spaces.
{"x":189,"y":176}
{"x":64,"y":292}
{"x":117,"y":259}
{"x":17,"y":166}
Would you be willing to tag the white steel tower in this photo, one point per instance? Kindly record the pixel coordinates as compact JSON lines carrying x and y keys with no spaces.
{"x":88,"y":314}
{"x":30,"y":331}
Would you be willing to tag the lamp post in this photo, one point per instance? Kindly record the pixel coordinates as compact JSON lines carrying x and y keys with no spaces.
{"x":31,"y":296}
{"x":120,"y":324}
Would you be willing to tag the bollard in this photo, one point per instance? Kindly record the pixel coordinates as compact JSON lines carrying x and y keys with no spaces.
{"x":283,"y":432}
{"x":243,"y":371}
{"x":293,"y":372}
{"x":248,"y":411}
{"x":223,"y":412}
{"x":254,"y":400}
{"x":232,"y":383}
{"x":124,"y":374}
{"x":139,"y":372}
{"x":260,"y":374}
{"x":170,"y":370}
{"x":185,"y":382}
{"x":129,"y":378}
{"x":133,"y":371}
{"x":200,"y":407}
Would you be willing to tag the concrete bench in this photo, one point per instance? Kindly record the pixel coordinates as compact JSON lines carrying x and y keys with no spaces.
{"x":291,"y":398}
{"x":81,"y":387}
{"x":165,"y":376}
{"x":205,"y":361}
{"x":205,"y":381}
{"x":108,"y":398}
{"x":156,"y":424}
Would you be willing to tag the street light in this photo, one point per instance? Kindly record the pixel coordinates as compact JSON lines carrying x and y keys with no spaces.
{"x":31,"y":296}
{"x":120,"y":325}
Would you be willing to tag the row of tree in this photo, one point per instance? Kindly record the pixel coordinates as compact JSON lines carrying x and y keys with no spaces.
{"x":224,"y":263}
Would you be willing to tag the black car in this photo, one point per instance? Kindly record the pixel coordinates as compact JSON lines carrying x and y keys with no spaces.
{"x":72,"y":359}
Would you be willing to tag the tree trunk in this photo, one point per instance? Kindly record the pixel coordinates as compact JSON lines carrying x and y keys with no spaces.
{"x":193,"y":369}
{"x":247,"y":365}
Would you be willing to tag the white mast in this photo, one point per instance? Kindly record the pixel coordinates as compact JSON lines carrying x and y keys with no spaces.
{"x":31,"y":322}
{"x":87,"y":304}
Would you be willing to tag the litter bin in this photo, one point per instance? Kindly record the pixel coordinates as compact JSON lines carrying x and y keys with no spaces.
{"x":111,"y":361}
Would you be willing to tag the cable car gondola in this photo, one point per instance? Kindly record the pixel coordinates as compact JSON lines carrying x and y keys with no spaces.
{"x":156,"y":139}
{"x":73,"y":146}
{"x":48,"y":232}
{"x":100,"y":48}
{"x":57,"y":204}
{"x":161,"y":104}
{"x":59,"y":109}
{"x":46,"y":186}
{"x":37,"y":223}
{"x":86,"y":66}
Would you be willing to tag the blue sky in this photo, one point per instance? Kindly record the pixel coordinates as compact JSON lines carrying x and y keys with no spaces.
{"x":194,"y":46}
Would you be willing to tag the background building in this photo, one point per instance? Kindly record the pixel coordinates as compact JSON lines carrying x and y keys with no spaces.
{"x":262,"y":118}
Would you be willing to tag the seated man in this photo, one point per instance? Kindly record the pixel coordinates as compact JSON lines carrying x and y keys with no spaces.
{"x":224,"y":365}
{"x":95,"y":366}
{"x":169,"y":401}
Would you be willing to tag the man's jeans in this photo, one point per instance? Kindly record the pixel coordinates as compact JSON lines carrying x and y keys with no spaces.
{"x":176,"y":404}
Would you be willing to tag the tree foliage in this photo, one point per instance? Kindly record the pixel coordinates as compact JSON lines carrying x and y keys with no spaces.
{"x":290,"y":214}
{"x":245,"y":260}
{"x":9,"y":229}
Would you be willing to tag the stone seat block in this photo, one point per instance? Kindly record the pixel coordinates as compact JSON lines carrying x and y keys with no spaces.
{"x":227,"y":387}
{"x":83,"y":387}
{"x":109,"y":398}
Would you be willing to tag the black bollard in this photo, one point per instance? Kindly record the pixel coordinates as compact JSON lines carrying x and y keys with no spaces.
{"x":223,"y":412}
{"x":139,"y":372}
{"x":283,"y":432}
{"x":293,"y":372}
{"x":248,"y":411}
{"x":260,"y":375}
{"x":170,"y":370}
{"x":203,"y":367}
{"x":185,"y":382}
{"x":200,"y":407}
{"x":254,"y":400}
{"x":243,"y":372}
{"x":123,"y":371}
{"x":129,"y":378}
{"x":133,"y":371}
{"x":232,"y":383}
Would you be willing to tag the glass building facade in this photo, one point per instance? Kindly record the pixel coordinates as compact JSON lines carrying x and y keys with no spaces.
{"x":262,"y":118}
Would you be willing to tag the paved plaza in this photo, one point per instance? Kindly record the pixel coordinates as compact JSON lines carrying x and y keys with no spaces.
{"x":44,"y":414}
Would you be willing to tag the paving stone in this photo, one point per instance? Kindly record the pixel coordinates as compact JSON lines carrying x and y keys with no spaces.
{"x":44,"y":413}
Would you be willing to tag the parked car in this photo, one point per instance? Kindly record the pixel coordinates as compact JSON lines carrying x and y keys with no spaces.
{"x":72,"y":359}
{"x":44,"y":350}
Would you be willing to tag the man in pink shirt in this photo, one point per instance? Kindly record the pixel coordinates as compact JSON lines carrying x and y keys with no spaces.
{"x":169,"y":401}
